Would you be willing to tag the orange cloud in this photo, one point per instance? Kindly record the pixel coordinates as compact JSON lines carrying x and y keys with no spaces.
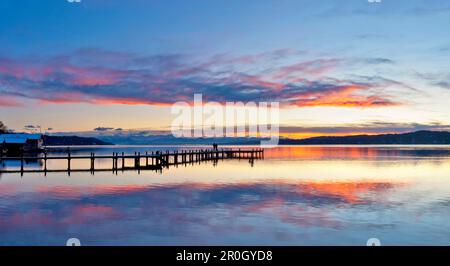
{"x":346,"y":96}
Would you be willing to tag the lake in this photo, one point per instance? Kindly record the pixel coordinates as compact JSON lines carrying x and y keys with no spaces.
{"x":297,"y":195}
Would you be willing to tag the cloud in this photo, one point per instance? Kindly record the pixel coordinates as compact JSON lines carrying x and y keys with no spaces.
{"x":436,"y":79}
{"x":103,"y":77}
{"x":8,"y":101}
{"x":443,"y":49}
{"x":313,"y":67}
{"x":443,"y":84}
{"x":379,"y":60}
{"x":103,"y":128}
{"x":385,"y":8}
{"x":429,"y":10}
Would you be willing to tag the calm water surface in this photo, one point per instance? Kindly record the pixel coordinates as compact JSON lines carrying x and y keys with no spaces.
{"x":329,"y":195}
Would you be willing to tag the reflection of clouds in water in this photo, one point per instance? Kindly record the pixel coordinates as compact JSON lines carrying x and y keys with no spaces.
{"x":183,"y":209}
{"x":333,"y":199}
{"x":357,"y":152}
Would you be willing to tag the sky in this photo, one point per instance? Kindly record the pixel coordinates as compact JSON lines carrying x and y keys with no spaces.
{"x":336,"y":67}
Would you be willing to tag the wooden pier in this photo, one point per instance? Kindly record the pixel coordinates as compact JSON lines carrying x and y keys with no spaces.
{"x":155,"y":160}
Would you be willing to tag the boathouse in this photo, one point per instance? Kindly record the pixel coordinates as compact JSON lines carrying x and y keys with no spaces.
{"x":21,"y":142}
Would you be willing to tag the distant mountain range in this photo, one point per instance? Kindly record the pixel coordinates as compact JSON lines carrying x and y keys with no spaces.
{"x":142,"y":139}
{"x":419,"y":137}
{"x":72,"y":140}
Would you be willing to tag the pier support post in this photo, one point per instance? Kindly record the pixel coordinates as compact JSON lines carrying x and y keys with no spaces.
{"x":45,"y":162}
{"x":21,"y":165}
{"x":93,"y":162}
{"x":68,"y":162}
{"x":123,"y":161}
{"x":113,"y":161}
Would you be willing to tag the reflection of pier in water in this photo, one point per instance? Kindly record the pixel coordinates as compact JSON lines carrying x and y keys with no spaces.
{"x":156,"y":160}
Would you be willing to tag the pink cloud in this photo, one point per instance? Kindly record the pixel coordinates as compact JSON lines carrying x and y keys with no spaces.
{"x":8,"y":101}
{"x":100,"y":77}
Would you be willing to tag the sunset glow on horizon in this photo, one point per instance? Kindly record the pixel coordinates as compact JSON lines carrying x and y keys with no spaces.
{"x":336,"y":68}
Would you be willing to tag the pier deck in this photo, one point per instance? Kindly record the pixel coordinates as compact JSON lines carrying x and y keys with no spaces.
{"x":155,"y":160}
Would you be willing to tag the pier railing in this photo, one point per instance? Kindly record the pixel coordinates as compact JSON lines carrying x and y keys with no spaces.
{"x":155,"y":160}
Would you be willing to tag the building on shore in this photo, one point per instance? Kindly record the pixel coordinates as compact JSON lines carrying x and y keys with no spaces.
{"x":19,"y":143}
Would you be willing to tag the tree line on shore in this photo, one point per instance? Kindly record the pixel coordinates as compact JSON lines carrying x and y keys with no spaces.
{"x":3,"y":128}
